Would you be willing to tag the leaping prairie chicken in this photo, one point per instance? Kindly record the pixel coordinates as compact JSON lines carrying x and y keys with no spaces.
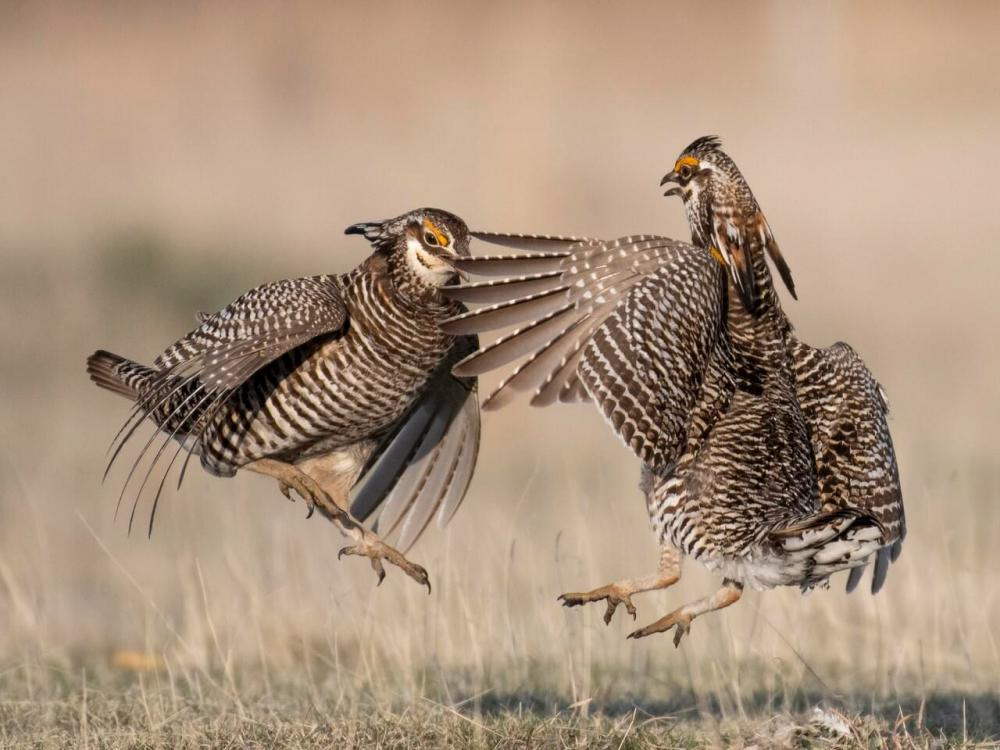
{"x":768,"y":461}
{"x":323,"y":382}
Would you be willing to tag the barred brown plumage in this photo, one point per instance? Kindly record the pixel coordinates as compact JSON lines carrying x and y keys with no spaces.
{"x":327,"y":383}
{"x":748,"y":438}
{"x":841,"y":403}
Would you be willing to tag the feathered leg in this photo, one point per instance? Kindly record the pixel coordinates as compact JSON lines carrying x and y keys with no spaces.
{"x":620,"y":592}
{"x":367,"y":543}
{"x":681,"y":617}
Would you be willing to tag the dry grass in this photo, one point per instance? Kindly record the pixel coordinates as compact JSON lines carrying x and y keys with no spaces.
{"x":96,"y":707}
{"x":143,"y":191}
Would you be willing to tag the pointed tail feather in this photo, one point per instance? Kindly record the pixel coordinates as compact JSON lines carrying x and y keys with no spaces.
{"x":118,"y":374}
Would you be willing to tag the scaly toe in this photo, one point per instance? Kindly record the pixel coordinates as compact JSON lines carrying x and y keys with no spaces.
{"x":664,"y":624}
{"x":377,"y":551}
{"x":610,"y":593}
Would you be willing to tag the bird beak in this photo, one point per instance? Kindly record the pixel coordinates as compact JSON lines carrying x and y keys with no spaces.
{"x":372,"y":230}
{"x":671,"y":177}
{"x":452,"y":260}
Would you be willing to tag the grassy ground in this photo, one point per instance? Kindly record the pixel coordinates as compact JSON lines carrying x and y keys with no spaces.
{"x":159,"y":707}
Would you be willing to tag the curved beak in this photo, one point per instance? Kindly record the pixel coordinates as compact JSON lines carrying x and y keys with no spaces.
{"x":671,"y":177}
{"x":452,"y":260}
{"x":370,"y":230}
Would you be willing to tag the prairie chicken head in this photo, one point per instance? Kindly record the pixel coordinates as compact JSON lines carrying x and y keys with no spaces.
{"x":426,"y":242}
{"x":724,"y":216}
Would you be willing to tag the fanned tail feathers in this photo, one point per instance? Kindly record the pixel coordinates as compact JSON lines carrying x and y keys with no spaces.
{"x":842,"y":539}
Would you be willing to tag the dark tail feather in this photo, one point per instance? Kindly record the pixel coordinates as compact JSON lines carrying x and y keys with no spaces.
{"x":881,"y":569}
{"x":116,"y":374}
{"x":855,"y":578}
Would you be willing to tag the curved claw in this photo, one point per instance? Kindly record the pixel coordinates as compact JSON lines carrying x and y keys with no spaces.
{"x":613,"y":605}
{"x":613,"y":594}
{"x":377,"y":551}
{"x":680,"y":623}
{"x":379,"y":570}
{"x":311,"y":509}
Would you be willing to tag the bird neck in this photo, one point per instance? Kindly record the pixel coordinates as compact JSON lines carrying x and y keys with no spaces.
{"x":414,"y":292}
{"x":758,"y":340}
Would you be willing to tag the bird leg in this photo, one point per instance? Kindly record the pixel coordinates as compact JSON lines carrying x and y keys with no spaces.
{"x":620,"y":592}
{"x":681,"y":618}
{"x":367,"y":543}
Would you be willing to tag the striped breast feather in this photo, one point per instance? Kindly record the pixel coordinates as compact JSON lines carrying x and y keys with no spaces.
{"x":855,"y":460}
{"x":596,"y":279}
{"x":424,"y":466}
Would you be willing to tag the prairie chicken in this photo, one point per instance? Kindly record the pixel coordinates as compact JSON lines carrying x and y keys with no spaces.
{"x":844,"y":407}
{"x":321,"y":382}
{"x":660,"y":336}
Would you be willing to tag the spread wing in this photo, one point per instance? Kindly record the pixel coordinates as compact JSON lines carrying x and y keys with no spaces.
{"x":197,"y":374}
{"x":425,"y":465}
{"x":231,"y":345}
{"x":847,"y":413}
{"x":629,"y":323}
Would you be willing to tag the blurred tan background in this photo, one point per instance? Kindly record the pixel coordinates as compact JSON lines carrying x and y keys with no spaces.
{"x":159,"y":159}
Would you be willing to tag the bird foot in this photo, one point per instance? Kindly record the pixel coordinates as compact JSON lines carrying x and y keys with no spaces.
{"x":303,"y":491}
{"x":676,"y":619}
{"x":613,"y":593}
{"x":376,"y":550}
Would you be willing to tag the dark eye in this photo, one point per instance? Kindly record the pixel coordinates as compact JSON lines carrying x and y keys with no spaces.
{"x":430,"y":239}
{"x":685,"y":172}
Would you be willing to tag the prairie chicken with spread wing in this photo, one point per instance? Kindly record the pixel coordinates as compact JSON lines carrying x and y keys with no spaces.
{"x":325,"y":381}
{"x":843,"y":405}
{"x":693,"y":367}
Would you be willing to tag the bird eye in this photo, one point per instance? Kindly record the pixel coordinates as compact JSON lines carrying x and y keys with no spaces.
{"x":430,"y":239}
{"x":685,"y":172}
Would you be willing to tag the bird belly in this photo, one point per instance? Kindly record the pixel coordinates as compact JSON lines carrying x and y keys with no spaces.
{"x":343,"y":392}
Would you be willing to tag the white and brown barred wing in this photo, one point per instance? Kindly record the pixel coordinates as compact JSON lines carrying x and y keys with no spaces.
{"x":847,"y":413}
{"x":256,"y":329}
{"x":195,"y":377}
{"x":629,"y":323}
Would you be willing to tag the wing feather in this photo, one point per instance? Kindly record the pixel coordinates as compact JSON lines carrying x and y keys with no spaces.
{"x":855,"y":459}
{"x":426,"y":464}
{"x":223,"y":352}
{"x":640,"y":292}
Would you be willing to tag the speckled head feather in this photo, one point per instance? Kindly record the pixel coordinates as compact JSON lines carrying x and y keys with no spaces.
{"x":725,"y":219}
{"x":704,"y":145}
{"x":438,"y":228}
